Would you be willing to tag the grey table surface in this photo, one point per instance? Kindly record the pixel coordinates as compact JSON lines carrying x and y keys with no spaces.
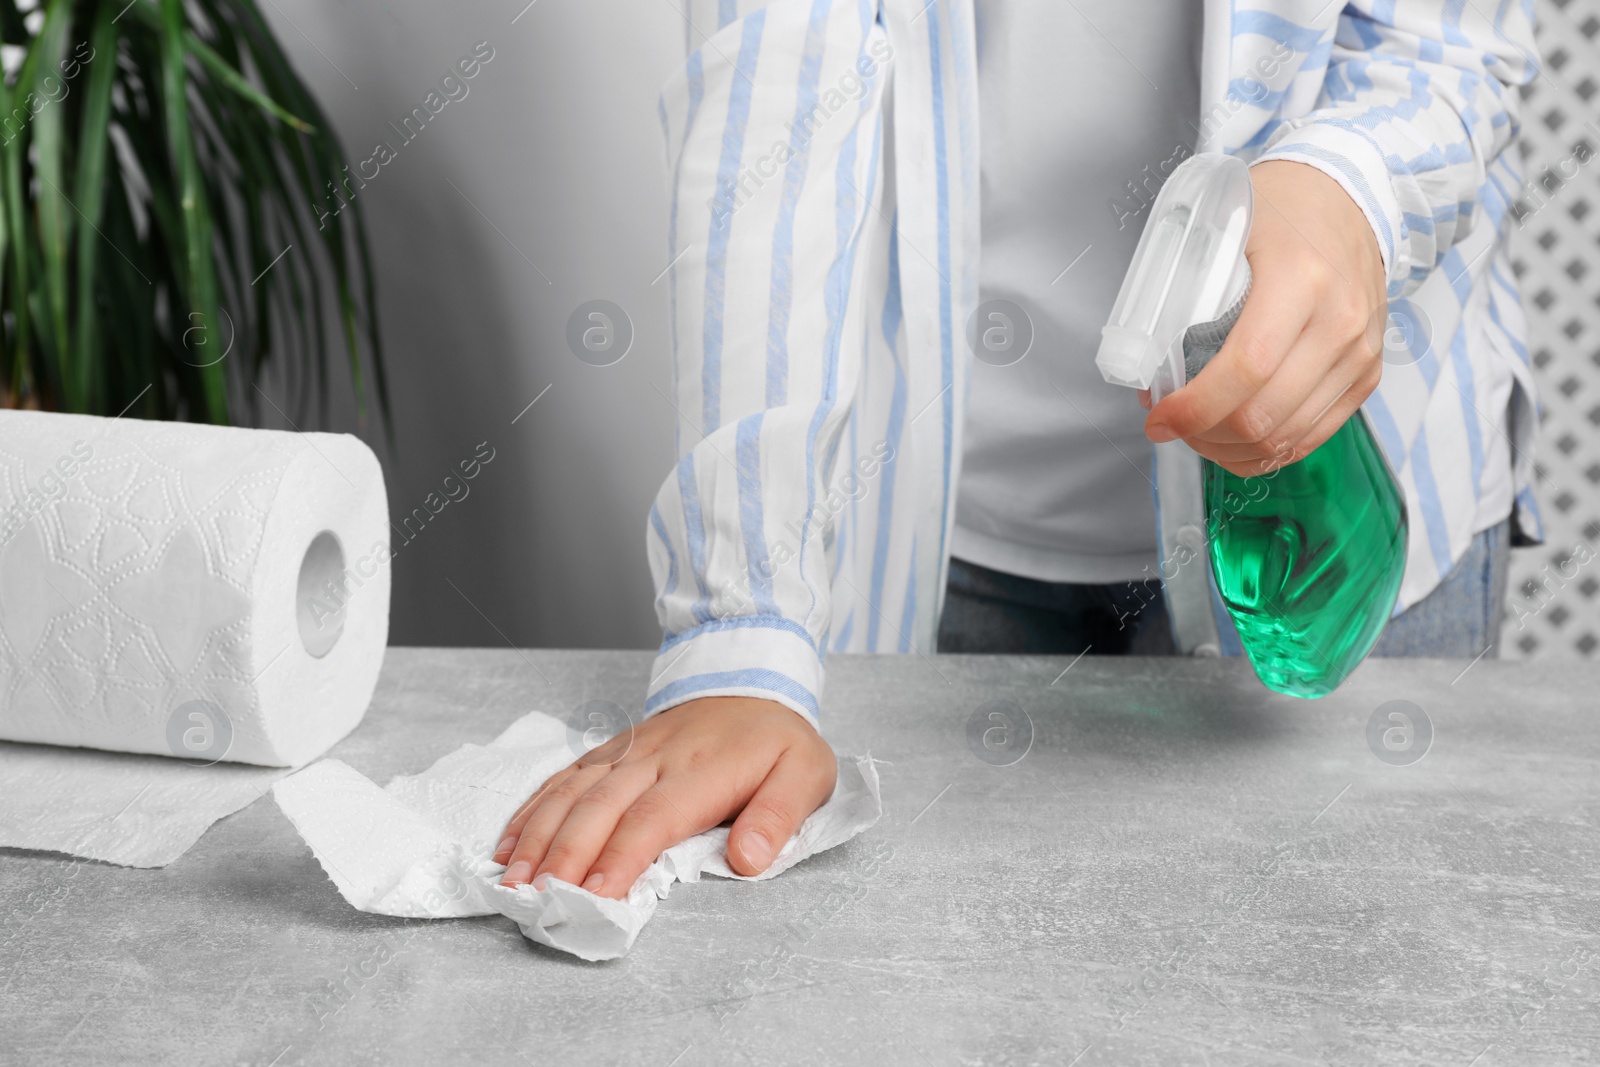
{"x":1180,"y":868}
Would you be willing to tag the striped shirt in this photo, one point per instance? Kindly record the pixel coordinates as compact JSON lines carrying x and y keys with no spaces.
{"x":824,"y":239}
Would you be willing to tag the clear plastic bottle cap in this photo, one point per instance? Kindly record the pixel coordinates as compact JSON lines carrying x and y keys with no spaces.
{"x":1188,"y":268}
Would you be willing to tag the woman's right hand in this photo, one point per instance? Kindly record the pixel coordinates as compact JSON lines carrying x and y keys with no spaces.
{"x":600,"y":822}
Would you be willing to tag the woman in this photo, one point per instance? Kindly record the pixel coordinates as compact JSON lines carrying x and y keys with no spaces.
{"x":834,"y":164}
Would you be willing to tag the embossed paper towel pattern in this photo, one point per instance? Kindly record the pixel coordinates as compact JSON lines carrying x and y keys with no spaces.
{"x":176,"y":590}
{"x":421,"y":846}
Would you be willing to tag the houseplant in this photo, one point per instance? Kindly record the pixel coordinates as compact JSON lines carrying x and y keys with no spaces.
{"x":162,"y":236}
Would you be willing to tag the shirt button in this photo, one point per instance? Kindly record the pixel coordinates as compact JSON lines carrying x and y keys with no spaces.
{"x":1191,"y":537}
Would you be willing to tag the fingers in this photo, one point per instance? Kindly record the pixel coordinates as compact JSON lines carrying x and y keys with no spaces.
{"x":795,"y":788}
{"x":545,"y":819}
{"x":601,"y":757}
{"x":1276,"y":421}
{"x":1264,"y":419}
{"x":670,"y":811}
{"x":513,"y":830}
{"x":1273,"y":318}
{"x":1330,"y":368}
{"x":589,"y":824}
{"x":609,"y":753}
{"x":1317,"y":420}
{"x":1334,"y":411}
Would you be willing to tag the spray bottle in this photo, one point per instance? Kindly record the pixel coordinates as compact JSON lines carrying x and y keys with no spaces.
{"x":1307,"y":558}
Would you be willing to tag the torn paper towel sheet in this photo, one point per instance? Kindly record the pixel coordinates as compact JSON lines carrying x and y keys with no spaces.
{"x":421,"y":847}
{"x":208,"y":596}
{"x":137,"y":811}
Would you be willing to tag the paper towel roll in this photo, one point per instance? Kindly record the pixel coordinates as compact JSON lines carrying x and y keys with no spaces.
{"x":199,"y":591}
{"x":203,"y":592}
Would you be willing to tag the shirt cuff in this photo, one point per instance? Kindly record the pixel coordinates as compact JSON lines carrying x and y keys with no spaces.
{"x":1353,"y":159}
{"x":764,"y":656}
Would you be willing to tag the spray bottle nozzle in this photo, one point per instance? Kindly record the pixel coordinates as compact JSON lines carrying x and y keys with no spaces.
{"x":1189,"y":268}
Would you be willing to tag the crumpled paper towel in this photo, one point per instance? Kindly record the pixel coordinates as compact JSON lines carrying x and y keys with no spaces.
{"x":210,"y":593}
{"x":422,"y":847}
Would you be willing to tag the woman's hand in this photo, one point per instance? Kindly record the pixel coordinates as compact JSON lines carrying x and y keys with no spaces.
{"x":600,"y":822}
{"x":1307,"y":349}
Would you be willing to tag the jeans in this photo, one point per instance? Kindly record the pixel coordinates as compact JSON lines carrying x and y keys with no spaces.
{"x":988,"y":611}
{"x":1461,"y":618}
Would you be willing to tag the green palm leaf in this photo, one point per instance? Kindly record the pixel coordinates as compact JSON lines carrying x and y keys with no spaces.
{"x":163,"y":239}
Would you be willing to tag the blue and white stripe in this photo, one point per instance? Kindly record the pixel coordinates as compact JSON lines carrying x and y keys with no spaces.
{"x":824,"y":229}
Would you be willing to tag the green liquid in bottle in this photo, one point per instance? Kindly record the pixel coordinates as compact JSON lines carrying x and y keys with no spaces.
{"x":1308,"y":559}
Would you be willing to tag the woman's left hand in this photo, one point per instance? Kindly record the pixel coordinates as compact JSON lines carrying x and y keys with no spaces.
{"x":1307,"y":349}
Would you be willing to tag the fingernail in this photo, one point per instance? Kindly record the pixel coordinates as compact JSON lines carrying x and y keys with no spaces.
{"x":507,"y":845}
{"x":1160,"y":433}
{"x":518,"y":873}
{"x":542,"y":882}
{"x":757,"y":850}
{"x":594,"y":881}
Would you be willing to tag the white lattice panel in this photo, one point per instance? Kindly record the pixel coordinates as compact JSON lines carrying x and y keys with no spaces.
{"x":1553,"y":599}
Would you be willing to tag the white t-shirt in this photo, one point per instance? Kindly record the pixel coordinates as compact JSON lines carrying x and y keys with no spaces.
{"x":1081,"y":116}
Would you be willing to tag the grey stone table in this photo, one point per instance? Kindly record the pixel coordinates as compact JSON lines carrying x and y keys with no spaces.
{"x":1177,"y":867}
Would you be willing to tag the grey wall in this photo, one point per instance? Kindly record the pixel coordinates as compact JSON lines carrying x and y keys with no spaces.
{"x":544,"y":187}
